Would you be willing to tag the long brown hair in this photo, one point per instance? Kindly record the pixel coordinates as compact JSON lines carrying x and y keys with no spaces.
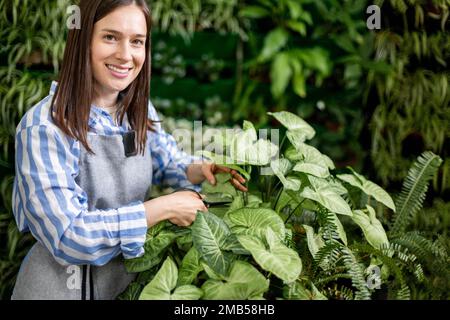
{"x":74,"y":94}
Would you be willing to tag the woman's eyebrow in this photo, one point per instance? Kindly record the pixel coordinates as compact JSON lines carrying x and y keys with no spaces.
{"x":120,"y":33}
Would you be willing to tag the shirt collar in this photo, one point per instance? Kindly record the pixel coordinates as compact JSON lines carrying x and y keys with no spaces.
{"x":98,"y":117}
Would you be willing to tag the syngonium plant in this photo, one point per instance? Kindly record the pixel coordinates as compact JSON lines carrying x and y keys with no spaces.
{"x":255,"y":247}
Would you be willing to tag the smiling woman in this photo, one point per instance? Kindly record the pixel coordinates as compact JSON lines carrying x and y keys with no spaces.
{"x":114,"y":37}
{"x":82,"y":176}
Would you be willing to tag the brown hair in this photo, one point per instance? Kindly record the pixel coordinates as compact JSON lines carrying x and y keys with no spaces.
{"x":74,"y":94}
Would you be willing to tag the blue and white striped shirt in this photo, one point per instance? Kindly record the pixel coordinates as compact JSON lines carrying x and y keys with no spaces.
{"x":48,"y":202}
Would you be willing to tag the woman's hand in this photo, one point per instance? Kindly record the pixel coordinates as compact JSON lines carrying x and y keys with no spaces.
{"x":198,"y":172}
{"x":180,"y":208}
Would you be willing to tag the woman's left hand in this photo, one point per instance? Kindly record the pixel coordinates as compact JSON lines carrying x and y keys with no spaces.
{"x":198,"y":172}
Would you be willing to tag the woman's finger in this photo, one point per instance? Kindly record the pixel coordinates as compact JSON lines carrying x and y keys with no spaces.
{"x":238,"y":185}
{"x":208,"y":173}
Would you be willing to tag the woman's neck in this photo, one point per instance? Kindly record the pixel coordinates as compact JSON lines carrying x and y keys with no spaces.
{"x":105,"y":99}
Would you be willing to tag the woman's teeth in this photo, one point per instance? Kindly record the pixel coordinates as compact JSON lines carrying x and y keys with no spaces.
{"x":115,"y":69}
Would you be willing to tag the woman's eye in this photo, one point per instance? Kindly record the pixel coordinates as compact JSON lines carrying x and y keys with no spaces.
{"x":138,"y":42}
{"x":109,"y":37}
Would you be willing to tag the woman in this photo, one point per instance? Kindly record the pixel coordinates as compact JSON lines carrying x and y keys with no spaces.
{"x":86,"y":156}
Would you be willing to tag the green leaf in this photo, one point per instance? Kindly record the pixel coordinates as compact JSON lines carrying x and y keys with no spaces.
{"x":297,"y":26}
{"x":164,"y":282}
{"x":280,"y":167}
{"x":274,"y":41}
{"x":297,"y":291}
{"x":372,"y":228}
{"x":187,"y":292}
{"x":222,"y":189}
{"x":284,"y":200}
{"x":254,"y":221}
{"x":225,"y":161}
{"x":280,"y":74}
{"x":298,"y":80}
{"x":291,"y":153}
{"x":314,"y":241}
{"x":247,"y":150}
{"x":276,"y":257}
{"x":368,"y":187}
{"x":325,"y":194}
{"x":237,"y":203}
{"x":339,"y":228}
{"x":209,"y":235}
{"x":154,"y":248}
{"x":313,"y":162}
{"x":414,"y":189}
{"x":190,"y":267}
{"x":254,"y":12}
{"x":293,"y":122}
{"x":243,"y":283}
{"x":295,"y":9}
{"x":315,"y":58}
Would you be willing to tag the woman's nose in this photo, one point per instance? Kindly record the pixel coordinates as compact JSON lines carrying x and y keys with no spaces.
{"x":124,"y":52}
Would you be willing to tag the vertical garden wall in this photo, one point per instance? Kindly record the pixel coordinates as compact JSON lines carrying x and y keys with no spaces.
{"x":377,"y":99}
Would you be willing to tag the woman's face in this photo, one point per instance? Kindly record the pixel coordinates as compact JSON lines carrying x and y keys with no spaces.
{"x":118,"y":49}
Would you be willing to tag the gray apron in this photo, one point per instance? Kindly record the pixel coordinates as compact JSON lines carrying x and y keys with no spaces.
{"x":111,"y":180}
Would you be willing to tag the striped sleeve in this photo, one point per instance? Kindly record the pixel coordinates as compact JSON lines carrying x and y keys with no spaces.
{"x":169,"y":162}
{"x":48,"y":202}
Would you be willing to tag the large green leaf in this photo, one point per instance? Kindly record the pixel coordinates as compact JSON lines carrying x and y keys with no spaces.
{"x":275,"y":257}
{"x":293,"y":122}
{"x":369,"y":188}
{"x":225,"y":161}
{"x":244,"y":282}
{"x":296,"y":137}
{"x":209,"y":235}
{"x":313,"y":156}
{"x":280,"y":167}
{"x":222,"y":187}
{"x":154,"y":247}
{"x":313,"y":162}
{"x":190,"y":267}
{"x":280,"y":74}
{"x":274,"y":41}
{"x":187,"y":292}
{"x":165,"y":280}
{"x":254,"y":221}
{"x":321,"y":192}
{"x":372,"y":228}
{"x":247,"y":150}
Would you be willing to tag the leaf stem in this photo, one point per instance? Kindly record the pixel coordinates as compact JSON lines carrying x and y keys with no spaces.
{"x":292,"y":212}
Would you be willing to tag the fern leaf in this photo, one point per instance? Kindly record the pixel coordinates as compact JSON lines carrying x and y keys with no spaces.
{"x":356,"y":272}
{"x":414,"y":190}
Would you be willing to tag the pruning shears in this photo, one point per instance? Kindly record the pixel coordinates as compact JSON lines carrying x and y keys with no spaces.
{"x":208,"y":203}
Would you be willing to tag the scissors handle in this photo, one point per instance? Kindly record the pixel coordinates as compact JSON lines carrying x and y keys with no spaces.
{"x":207,"y":203}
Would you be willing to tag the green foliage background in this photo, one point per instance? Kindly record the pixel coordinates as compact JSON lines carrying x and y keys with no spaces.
{"x":377,"y":99}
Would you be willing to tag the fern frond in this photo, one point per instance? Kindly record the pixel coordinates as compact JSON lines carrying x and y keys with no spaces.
{"x":384,"y":255}
{"x":347,"y":293}
{"x":326,"y":222}
{"x":430,"y":253}
{"x":404,"y":293}
{"x":328,"y":255}
{"x":356,"y":272}
{"x":414,"y":189}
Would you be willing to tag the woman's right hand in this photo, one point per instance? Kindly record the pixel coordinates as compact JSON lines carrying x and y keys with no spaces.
{"x":180,"y":208}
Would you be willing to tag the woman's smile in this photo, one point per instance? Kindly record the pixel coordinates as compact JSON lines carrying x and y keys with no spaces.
{"x":118,"y":71}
